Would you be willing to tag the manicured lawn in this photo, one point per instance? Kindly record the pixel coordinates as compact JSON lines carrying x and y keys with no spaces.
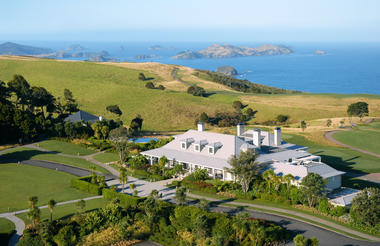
{"x":340,"y":158}
{"x":366,"y":137}
{"x":28,"y":153}
{"x":18,"y":182}
{"x":66,"y":210}
{"x":6,"y":229}
{"x":64,"y":147}
{"x":107,"y":157}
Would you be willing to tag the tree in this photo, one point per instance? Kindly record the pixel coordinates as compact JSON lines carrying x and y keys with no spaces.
{"x":132,"y":187}
{"x":245,"y":168}
{"x":237,"y":105}
{"x":200,"y":174}
{"x":203,"y":117}
{"x":114,"y":109}
{"x":51,"y":205}
{"x":34,"y":215}
{"x":196,"y":91}
{"x":328,"y":123}
{"x":21,"y":88}
{"x":40,"y":97}
{"x":365,"y":207}
{"x":281,"y":118}
{"x":149,"y":85}
{"x":180,"y":195}
{"x":80,"y":205}
{"x":288,"y":178}
{"x":4,"y":93}
{"x":268,"y":176}
{"x":200,"y":226}
{"x":123,"y":178}
{"x":303,"y":125}
{"x":359,"y":109}
{"x":300,"y":240}
{"x":250,"y":112}
{"x":312,"y":187}
{"x":32,"y":201}
{"x":240,"y":226}
{"x":142,"y":77}
{"x":136,"y":123}
{"x":120,"y":139}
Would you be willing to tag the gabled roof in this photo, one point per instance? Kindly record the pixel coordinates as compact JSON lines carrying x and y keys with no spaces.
{"x":82,"y":116}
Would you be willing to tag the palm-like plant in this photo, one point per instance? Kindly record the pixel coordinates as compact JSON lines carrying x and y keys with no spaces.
{"x":268,"y":177}
{"x":32,"y":201}
{"x":288,"y":179}
{"x":51,"y":205}
{"x":277,"y":180}
{"x":240,"y":226}
{"x":132,"y":186}
{"x":34,"y":215}
{"x":123,"y":178}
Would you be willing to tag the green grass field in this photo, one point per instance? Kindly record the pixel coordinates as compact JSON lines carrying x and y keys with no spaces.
{"x":96,"y":86}
{"x":18,"y":182}
{"x":64,"y":147}
{"x":340,"y":158}
{"x":107,"y":157}
{"x":28,"y":153}
{"x":66,"y":210}
{"x":366,"y":137}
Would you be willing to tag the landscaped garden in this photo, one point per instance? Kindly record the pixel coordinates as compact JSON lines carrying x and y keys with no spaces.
{"x":18,"y":182}
{"x":32,"y":154}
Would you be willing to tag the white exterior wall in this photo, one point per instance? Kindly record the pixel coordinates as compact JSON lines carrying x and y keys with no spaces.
{"x":334,"y":182}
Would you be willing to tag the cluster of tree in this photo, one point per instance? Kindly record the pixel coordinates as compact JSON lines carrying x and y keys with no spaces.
{"x":26,"y":112}
{"x":227,"y":119}
{"x":142,"y":77}
{"x":359,"y":109}
{"x":196,"y":91}
{"x":150,"y":85}
{"x":281,"y":118}
{"x":243,"y":85}
{"x":114,"y":109}
{"x":157,"y":220}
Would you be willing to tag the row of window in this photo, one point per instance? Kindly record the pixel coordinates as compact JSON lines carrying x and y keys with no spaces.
{"x":197,"y":148}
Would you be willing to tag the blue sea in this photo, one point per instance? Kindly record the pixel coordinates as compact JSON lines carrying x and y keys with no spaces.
{"x":349,"y":68}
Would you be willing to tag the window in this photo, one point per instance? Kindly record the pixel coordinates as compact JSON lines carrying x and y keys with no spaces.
{"x":196,"y":147}
{"x":183,"y":145}
{"x":211,"y":150}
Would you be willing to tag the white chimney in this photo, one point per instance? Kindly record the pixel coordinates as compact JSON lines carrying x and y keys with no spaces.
{"x":201,"y":126}
{"x":240,"y":129}
{"x":257,"y":137}
{"x":277,"y":136}
{"x":100,"y":118}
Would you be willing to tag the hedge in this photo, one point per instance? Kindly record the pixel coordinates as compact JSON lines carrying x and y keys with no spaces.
{"x":83,"y":184}
{"x":125,"y":199}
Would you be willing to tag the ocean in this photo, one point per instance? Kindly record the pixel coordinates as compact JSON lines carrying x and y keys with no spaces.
{"x":348,"y":68}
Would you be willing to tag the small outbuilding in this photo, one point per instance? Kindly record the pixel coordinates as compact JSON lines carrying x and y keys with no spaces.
{"x":82,"y":116}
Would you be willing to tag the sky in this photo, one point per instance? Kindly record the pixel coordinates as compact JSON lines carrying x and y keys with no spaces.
{"x":191,"y":20}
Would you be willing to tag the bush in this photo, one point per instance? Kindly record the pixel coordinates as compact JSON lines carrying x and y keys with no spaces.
{"x":161,"y":87}
{"x":338,"y":211}
{"x":83,"y":184}
{"x":323,"y":206}
{"x":149,"y":85}
{"x":125,"y":200}
{"x":196,"y":91}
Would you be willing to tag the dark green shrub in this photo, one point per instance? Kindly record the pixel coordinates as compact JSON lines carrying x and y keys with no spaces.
{"x":83,"y":184}
{"x":125,"y":200}
{"x":338,"y":211}
{"x":323,"y":205}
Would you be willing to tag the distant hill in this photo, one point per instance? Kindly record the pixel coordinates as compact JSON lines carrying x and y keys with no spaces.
{"x":227,"y":70}
{"x":10,"y":48}
{"x":229,"y":51}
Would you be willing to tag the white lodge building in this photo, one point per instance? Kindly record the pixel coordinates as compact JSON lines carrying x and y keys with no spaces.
{"x":209,"y":150}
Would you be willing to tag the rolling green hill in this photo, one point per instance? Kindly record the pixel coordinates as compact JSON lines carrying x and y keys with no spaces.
{"x":97,"y":85}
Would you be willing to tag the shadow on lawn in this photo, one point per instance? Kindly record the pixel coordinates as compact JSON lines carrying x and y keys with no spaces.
{"x":23,"y":155}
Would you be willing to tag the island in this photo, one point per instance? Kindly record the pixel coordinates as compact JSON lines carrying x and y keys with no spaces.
{"x":217,"y":51}
{"x":10,"y":48}
{"x":144,"y":57}
{"x":227,"y":70}
{"x":320,"y":52}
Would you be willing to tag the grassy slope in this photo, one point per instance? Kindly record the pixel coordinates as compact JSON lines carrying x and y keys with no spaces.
{"x":27,"y":153}
{"x":18,"y":182}
{"x":107,"y":157}
{"x":365,"y":137}
{"x":6,"y":227}
{"x":98,"y":85}
{"x":64,"y":147}
{"x":66,"y":210}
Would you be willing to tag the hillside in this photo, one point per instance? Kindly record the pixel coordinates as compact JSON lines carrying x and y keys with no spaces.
{"x":10,"y":48}
{"x":96,"y":85}
{"x":228,"y":51}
